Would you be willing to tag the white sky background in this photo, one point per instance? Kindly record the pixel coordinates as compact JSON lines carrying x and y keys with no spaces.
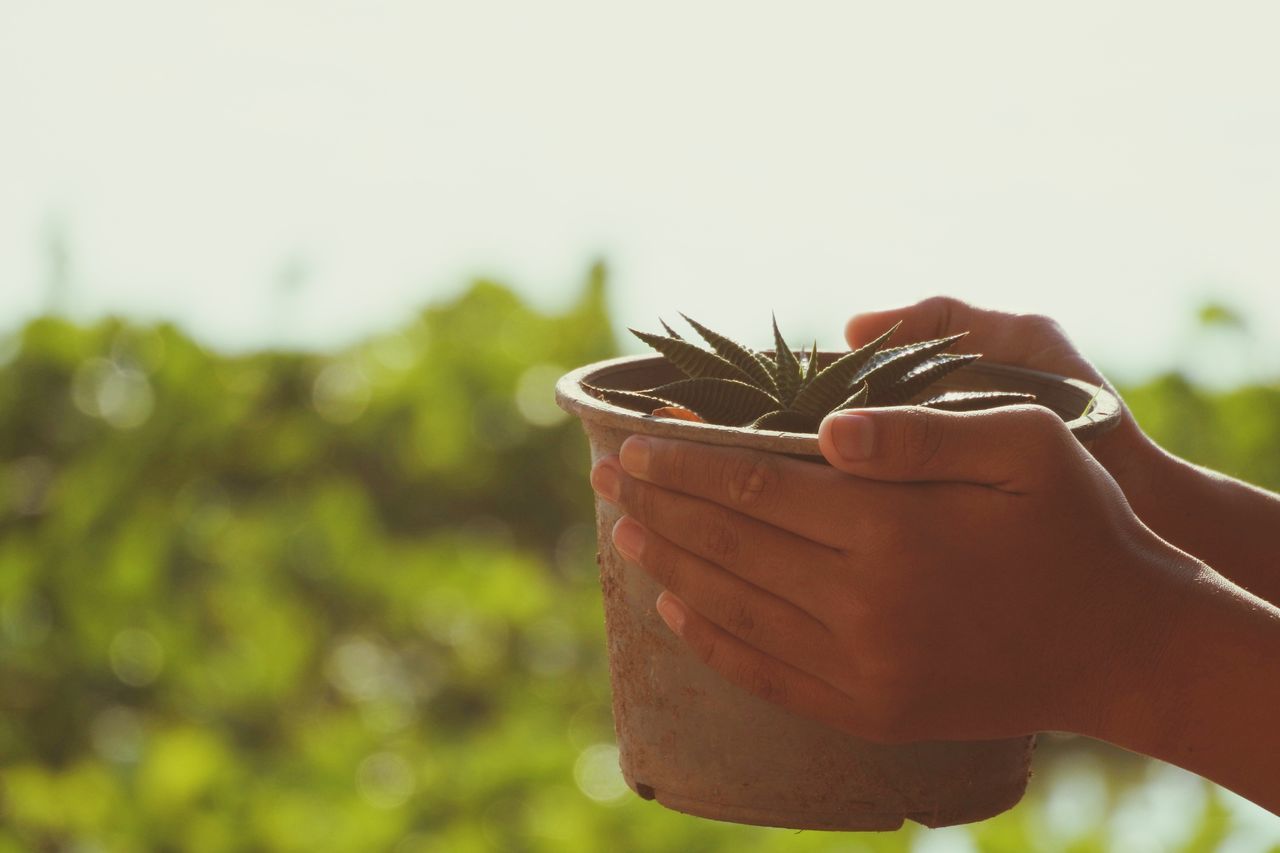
{"x":1111,"y":164}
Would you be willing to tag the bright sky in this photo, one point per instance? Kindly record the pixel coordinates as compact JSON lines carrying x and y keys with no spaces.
{"x":1109,"y":163}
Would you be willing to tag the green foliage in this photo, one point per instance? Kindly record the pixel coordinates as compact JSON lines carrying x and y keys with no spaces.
{"x":1221,"y":315}
{"x":347,"y":602}
{"x":734,"y":385}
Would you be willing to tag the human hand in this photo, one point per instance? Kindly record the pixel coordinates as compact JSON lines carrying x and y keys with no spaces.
{"x":982,"y":576}
{"x":1025,"y":340}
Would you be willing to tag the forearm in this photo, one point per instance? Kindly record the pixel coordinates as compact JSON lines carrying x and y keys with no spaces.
{"x":1226,"y":523}
{"x":1209,"y":700}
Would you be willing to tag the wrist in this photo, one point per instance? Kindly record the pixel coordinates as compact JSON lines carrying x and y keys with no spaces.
{"x":1148,"y":616}
{"x":1205,"y":699}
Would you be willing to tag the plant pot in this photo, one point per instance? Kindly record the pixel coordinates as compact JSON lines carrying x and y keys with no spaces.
{"x":703,"y":746}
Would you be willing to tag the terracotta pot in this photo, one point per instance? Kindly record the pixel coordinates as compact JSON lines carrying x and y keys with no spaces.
{"x":701,"y":745}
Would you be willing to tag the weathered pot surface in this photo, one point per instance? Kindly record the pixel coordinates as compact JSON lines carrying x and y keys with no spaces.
{"x":701,"y":745}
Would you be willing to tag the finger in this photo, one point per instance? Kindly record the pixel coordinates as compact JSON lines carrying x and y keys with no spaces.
{"x":787,"y":565}
{"x":1026,"y":340}
{"x":1014,"y":448}
{"x":753,"y":615}
{"x":758,"y":673}
{"x":770,"y":487}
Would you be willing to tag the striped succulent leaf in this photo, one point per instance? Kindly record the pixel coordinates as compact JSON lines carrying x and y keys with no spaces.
{"x":970,"y":401}
{"x":788,"y":376}
{"x":626,"y":399}
{"x":736,"y":354}
{"x":888,"y":366}
{"x":787,"y":421}
{"x":770,"y":368}
{"x":722,"y":401}
{"x":918,"y":378}
{"x":811,"y":365}
{"x":693,"y":360}
{"x":832,"y":384}
{"x":856,"y":400}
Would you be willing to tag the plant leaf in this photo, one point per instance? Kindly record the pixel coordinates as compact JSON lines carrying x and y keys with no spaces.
{"x":890,"y":365}
{"x":856,"y":400}
{"x":678,"y":413}
{"x":970,"y":401}
{"x":741,"y":357}
{"x":788,"y":367}
{"x":1088,"y":407}
{"x":692,"y":360}
{"x":769,"y":367}
{"x":834,"y":381}
{"x":811,"y":367}
{"x":786,"y":421}
{"x":920,"y":377}
{"x":627,"y":399}
{"x":728,"y":402}
{"x":670,"y":331}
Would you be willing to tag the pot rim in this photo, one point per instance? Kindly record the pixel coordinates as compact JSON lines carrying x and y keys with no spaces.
{"x":570,"y":396}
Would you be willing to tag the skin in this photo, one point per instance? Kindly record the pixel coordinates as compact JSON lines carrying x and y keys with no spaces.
{"x":974,"y":575}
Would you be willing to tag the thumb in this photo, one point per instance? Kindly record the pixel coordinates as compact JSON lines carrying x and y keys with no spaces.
{"x":931,"y":318}
{"x":1015,"y":448}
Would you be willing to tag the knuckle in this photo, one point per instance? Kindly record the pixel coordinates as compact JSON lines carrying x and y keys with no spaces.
{"x":765,"y":685}
{"x":674,"y":460}
{"x":947,"y":309}
{"x":1046,"y":442}
{"x":1041,"y":424}
{"x":721,"y":539}
{"x":711,"y":653}
{"x":739,"y":620}
{"x":661,"y":564}
{"x":922,"y":437}
{"x":638,"y":499}
{"x":752,"y":478}
{"x":1043,"y":324}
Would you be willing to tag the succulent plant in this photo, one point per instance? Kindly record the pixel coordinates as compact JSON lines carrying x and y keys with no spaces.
{"x":733,"y":385}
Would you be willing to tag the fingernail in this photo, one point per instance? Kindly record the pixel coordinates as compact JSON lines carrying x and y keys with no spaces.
{"x":606,"y":482}
{"x":628,"y":538}
{"x":634,"y":455}
{"x":853,"y":436}
{"x":671,"y":611}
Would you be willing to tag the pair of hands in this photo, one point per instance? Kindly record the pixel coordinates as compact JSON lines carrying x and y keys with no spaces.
{"x":979,"y":575}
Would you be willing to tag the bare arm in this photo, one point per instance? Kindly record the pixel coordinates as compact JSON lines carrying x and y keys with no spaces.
{"x":1229,"y":524}
{"x":1210,"y":701}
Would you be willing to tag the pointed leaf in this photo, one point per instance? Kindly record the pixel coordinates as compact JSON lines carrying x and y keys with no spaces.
{"x":788,"y":367}
{"x":970,"y":401}
{"x":670,"y":331}
{"x":627,"y":399}
{"x":832,"y":384}
{"x":769,"y":367}
{"x":920,"y":378}
{"x":723,"y":401}
{"x":856,"y":400}
{"x":692,"y":360}
{"x":786,"y":421}
{"x":811,"y":365}
{"x":741,"y":357}
{"x":888,"y":366}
